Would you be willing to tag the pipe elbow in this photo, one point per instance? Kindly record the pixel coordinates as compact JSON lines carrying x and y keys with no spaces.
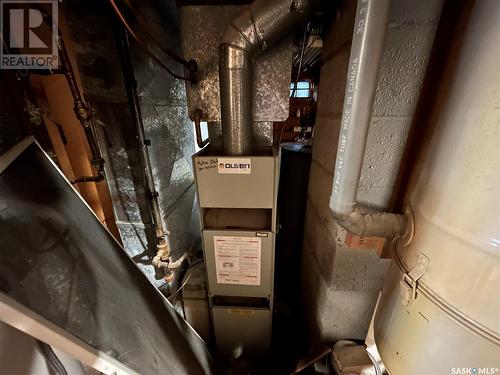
{"x":241,"y":33}
{"x":234,"y":38}
{"x":378,"y":224}
{"x":351,"y":222}
{"x":264,"y":23}
{"x":162,"y":254}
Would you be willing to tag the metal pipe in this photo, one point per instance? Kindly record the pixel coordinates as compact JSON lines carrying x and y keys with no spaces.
{"x":263,"y":23}
{"x":162,"y":244}
{"x":82,"y":111}
{"x":366,"y":51}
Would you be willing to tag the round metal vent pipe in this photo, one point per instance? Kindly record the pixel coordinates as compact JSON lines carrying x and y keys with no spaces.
{"x":262,"y":24}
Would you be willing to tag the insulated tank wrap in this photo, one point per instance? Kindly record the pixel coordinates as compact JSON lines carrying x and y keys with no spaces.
{"x":449,"y":319}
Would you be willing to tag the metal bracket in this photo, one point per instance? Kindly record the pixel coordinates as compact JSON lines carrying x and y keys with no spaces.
{"x":410,"y":280}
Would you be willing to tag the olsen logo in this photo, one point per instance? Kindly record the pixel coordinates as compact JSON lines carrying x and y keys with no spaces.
{"x":234,"y":166}
{"x":29,"y":32}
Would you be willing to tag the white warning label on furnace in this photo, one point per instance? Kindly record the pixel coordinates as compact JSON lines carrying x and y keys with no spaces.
{"x":237,"y":260}
{"x":234,"y":165}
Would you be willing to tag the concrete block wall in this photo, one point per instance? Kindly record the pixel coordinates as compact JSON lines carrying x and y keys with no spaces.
{"x":340,"y":285}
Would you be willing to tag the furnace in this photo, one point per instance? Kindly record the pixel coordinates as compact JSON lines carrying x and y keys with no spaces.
{"x":238,"y":211}
{"x":250,"y":187}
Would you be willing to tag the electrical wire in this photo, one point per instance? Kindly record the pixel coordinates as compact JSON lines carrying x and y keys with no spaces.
{"x":194,"y":264}
{"x":19,"y":292}
{"x":52,"y":359}
{"x":190,"y":65}
{"x":186,"y":280}
{"x":147,"y":51}
{"x":302,"y":49}
{"x":174,"y":56}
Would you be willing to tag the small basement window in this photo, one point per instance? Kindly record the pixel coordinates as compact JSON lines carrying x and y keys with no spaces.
{"x":303,"y":89}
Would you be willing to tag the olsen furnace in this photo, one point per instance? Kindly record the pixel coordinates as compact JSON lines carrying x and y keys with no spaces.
{"x":237,"y":198}
{"x":237,"y":185}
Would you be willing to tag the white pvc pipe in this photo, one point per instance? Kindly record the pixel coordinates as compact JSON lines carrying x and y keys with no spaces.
{"x":366,"y":52}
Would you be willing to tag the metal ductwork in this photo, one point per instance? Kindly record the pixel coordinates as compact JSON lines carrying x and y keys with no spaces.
{"x":161,"y":258}
{"x":262,"y":24}
{"x":366,"y":51}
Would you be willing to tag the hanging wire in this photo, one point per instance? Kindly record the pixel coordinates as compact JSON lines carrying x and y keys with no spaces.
{"x":52,"y":359}
{"x":190,"y":65}
{"x":302,"y":49}
{"x":186,"y":279}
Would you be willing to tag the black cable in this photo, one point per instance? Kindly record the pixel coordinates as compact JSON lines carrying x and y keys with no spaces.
{"x":190,"y":65}
{"x":174,"y":294}
{"x":302,"y":49}
{"x":52,"y":359}
{"x":185,"y":280}
{"x":167,"y":51}
{"x":194,"y":264}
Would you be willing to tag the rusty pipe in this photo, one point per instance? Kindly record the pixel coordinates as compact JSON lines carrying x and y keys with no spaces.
{"x":162,"y":244}
{"x":82,"y":111}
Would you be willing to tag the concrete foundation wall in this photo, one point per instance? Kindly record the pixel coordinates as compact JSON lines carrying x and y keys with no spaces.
{"x":341,"y":285}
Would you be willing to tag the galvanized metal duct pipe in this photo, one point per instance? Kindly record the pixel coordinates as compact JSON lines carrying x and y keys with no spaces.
{"x":258,"y":27}
{"x":364,"y":62}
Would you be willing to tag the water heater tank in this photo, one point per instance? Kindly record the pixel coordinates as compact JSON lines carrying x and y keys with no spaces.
{"x":439,"y":312}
